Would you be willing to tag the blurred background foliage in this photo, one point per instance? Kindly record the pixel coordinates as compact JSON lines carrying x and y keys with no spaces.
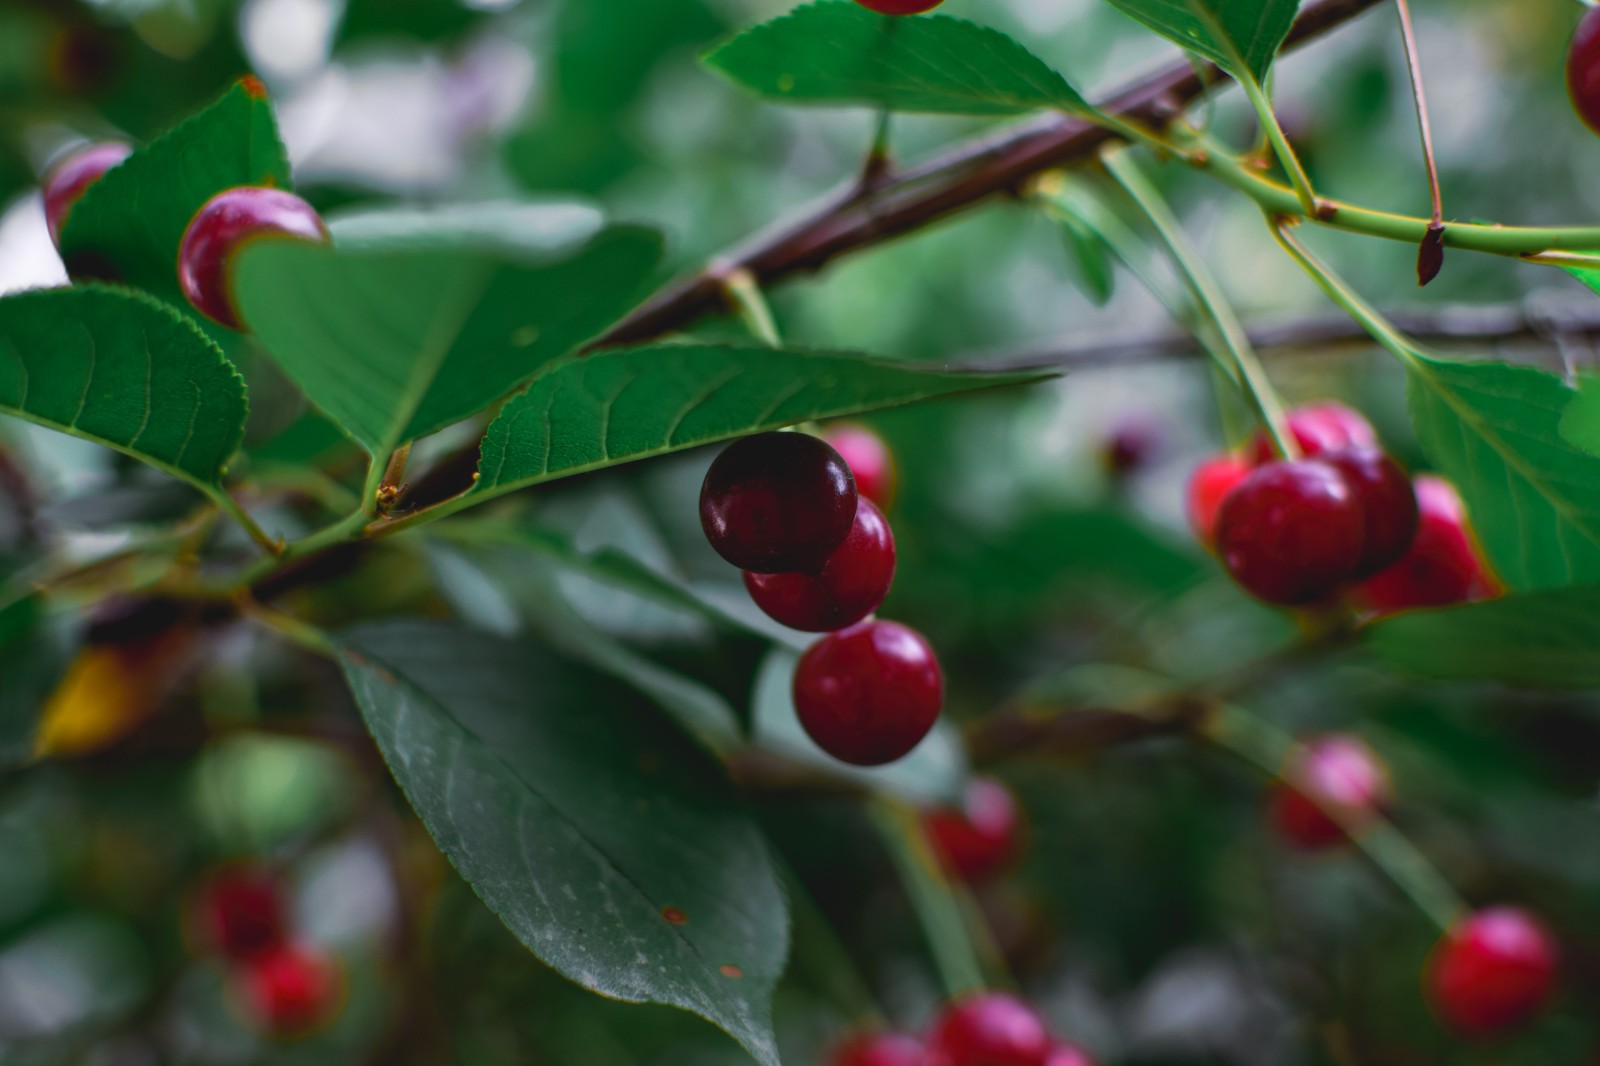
{"x":1154,"y":917}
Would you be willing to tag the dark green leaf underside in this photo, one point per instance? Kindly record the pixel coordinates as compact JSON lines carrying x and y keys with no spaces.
{"x":1220,"y":30}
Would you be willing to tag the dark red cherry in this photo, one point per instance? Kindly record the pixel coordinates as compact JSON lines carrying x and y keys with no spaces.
{"x":989,"y":1029}
{"x":850,"y":585}
{"x":1209,"y":485}
{"x":899,"y":7}
{"x":1291,"y":532}
{"x":66,"y":181}
{"x":1443,"y":564}
{"x":778,"y":503}
{"x":1318,"y":428}
{"x":879,"y":1049}
{"x":1583,"y":69}
{"x":1388,"y":504}
{"x":870,"y":461}
{"x":1132,"y":445}
{"x":1492,"y":973}
{"x":291,"y":990}
{"x":1335,"y":772}
{"x":1069,"y":1055}
{"x":869,"y":694}
{"x":242,"y":910}
{"x":981,"y":837}
{"x":223,"y":225}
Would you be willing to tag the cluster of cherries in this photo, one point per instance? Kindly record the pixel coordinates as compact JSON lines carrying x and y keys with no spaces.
{"x":284,"y":986}
{"x":1296,"y":532}
{"x":221,"y":226}
{"x":818,"y":556}
{"x":981,"y":1029}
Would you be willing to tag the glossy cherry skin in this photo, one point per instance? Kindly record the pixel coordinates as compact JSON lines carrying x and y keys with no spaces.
{"x":242,"y":910}
{"x":778,"y":503}
{"x":223,"y":225}
{"x":1318,"y":428}
{"x":869,"y":694}
{"x":850,"y":585}
{"x":1069,"y":1055}
{"x":292,"y":990}
{"x":67,"y":181}
{"x":1291,"y":532}
{"x":1443,"y":564}
{"x":1492,"y":973}
{"x":989,"y":1029}
{"x":1388,"y":504}
{"x":879,"y":1049}
{"x":870,"y":461}
{"x":1209,"y":485}
{"x":981,"y":837}
{"x":899,"y":7}
{"x":1583,"y":69}
{"x":1338,"y":772}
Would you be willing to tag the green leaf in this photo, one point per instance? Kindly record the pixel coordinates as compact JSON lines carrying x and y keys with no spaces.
{"x":402,"y":327}
{"x":934,"y":772}
{"x":1535,"y":640}
{"x":124,"y":370}
{"x":1580,"y":422}
{"x":608,"y":846}
{"x":28,"y":665}
{"x":1534,"y":497}
{"x":838,"y":52}
{"x":619,"y":406}
{"x":128,"y":225}
{"x":1242,"y":36}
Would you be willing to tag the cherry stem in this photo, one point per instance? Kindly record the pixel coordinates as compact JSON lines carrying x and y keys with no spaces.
{"x":745,"y":295}
{"x":233,"y":509}
{"x":1208,"y":296}
{"x":1414,"y":61}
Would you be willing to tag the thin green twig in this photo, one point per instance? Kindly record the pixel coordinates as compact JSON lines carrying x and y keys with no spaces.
{"x":939,"y":911}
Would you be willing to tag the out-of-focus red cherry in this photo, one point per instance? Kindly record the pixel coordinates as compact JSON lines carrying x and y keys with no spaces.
{"x":1443,"y":565}
{"x":1209,"y":485}
{"x":1318,"y":428}
{"x":1335,"y":771}
{"x":1492,"y":973}
{"x":982,"y":836}
{"x":879,"y":1049}
{"x":242,"y":909}
{"x":989,"y":1029}
{"x":1292,"y":532}
{"x":292,"y":990}
{"x":869,"y":459}
{"x":69,"y":179}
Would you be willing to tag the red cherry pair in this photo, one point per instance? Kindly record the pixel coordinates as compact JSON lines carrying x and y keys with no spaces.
{"x":286,"y":987}
{"x":983,"y":1029}
{"x":786,"y":509}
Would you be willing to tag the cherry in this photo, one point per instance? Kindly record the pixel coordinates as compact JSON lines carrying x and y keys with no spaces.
{"x":982,"y":836}
{"x":868,"y":694}
{"x":1492,"y":972}
{"x":879,"y":1049}
{"x":1291,"y":532}
{"x":1318,"y":428}
{"x":899,"y":7}
{"x":291,"y":990}
{"x":66,"y":181}
{"x":1130,"y":447}
{"x":242,"y":912}
{"x":1209,"y":485}
{"x":223,"y":225}
{"x":870,"y":461}
{"x":778,"y":503}
{"x":1335,"y":771}
{"x":1442,"y":566}
{"x":1069,"y":1055}
{"x":1388,"y":503}
{"x":850,"y":585}
{"x":1583,"y":69}
{"x":989,"y":1029}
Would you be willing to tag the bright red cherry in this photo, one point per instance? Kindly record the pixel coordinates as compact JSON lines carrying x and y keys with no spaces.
{"x":870,"y":461}
{"x":981,"y":837}
{"x":989,"y":1029}
{"x":223,"y":225}
{"x":850,"y":586}
{"x":899,"y":7}
{"x":1583,"y":69}
{"x":869,"y":694}
{"x":1318,"y":428}
{"x":1209,"y":485}
{"x":1291,"y":532}
{"x":1442,"y":566}
{"x":1388,"y":504}
{"x":778,"y":503}
{"x":1493,"y":972}
{"x":291,"y":990}
{"x":879,"y":1049}
{"x":67,"y":181}
{"x":1337,"y":772}
{"x":242,"y":909}
{"x":1069,"y":1055}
